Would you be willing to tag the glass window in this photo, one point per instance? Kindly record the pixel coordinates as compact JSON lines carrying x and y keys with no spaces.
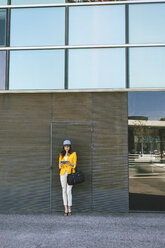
{"x":147,"y":67}
{"x":36,"y":70}
{"x":37,"y":27}
{"x":2,"y":27}
{"x":146,"y":23}
{"x":146,"y":146}
{"x":3,"y":2}
{"x":36,"y":1}
{"x":97,"y":68}
{"x":2,"y":69}
{"x":96,"y":25}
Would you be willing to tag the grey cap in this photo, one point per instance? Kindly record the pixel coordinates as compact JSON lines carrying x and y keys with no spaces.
{"x":67,"y":142}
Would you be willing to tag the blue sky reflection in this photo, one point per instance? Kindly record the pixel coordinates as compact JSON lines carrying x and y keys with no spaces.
{"x":101,"y":25}
{"x":36,"y":70}
{"x":149,"y":104}
{"x":37,"y":27}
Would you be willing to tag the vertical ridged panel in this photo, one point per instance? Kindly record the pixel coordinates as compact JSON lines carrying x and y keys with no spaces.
{"x":71,"y":114}
{"x":110,"y":173}
{"x":24,"y":153}
{"x":69,"y":107}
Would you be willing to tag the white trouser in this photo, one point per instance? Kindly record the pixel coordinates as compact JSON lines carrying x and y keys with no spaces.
{"x":66,"y":190}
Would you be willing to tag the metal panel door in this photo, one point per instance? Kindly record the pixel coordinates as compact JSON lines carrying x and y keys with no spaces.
{"x":80,"y":136}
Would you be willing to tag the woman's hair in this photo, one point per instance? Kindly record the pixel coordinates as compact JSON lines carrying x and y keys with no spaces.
{"x":63,"y":151}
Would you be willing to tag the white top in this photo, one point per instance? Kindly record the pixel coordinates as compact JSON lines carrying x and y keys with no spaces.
{"x":66,"y":157}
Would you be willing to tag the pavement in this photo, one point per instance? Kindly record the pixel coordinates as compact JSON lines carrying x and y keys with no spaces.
{"x":83,"y":230}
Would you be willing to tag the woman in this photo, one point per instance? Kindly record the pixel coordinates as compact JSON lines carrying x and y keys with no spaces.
{"x":67,"y":164}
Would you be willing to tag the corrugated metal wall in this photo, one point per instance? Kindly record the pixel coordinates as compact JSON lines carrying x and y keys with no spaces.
{"x":97,"y":125}
{"x":24,"y":153}
{"x":110,"y":165}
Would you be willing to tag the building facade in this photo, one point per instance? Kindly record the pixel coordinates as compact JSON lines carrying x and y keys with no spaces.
{"x":92,"y":72}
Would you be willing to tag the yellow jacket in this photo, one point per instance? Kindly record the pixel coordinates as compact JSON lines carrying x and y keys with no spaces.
{"x":71,"y":158}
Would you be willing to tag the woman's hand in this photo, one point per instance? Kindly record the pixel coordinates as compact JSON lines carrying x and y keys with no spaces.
{"x":69,"y":163}
{"x":61,"y":165}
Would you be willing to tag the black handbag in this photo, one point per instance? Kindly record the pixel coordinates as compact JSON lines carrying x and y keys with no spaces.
{"x":75,"y":178}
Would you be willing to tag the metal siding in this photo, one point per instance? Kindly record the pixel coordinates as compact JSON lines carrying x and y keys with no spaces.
{"x":24,"y":153}
{"x":69,"y":107}
{"x":97,"y":125}
{"x":110,"y":173}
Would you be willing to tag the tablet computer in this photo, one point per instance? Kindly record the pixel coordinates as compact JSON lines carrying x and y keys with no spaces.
{"x":64,"y":162}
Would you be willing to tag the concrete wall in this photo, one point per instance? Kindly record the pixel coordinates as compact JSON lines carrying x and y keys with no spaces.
{"x":96,"y":123}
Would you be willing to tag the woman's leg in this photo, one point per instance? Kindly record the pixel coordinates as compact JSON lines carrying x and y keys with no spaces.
{"x":63,"y":179}
{"x":69,"y":194}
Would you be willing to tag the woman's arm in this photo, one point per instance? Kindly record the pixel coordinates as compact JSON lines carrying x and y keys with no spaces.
{"x":75,"y":160}
{"x":60,"y":164}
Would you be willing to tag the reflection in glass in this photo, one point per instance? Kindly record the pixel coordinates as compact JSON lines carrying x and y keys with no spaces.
{"x":97,"y":68}
{"x":37,"y":27}
{"x":147,"y":23}
{"x":147,"y":67}
{"x":2,"y":27}
{"x":36,"y":1}
{"x":146,"y":145}
{"x":36,"y":70}
{"x":101,"y":25}
{"x":2,"y":69}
